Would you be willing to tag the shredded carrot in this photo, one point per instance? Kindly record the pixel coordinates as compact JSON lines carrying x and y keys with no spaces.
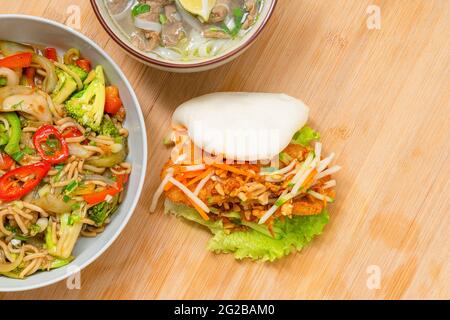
{"x":192,"y":152}
{"x":270,"y":227}
{"x":180,"y":177}
{"x":184,"y":176}
{"x":227,"y":167}
{"x":310,"y":178}
{"x":178,"y":127}
{"x":200,"y":210}
{"x":192,"y":174}
{"x":168,"y":186}
{"x":182,"y":169}
{"x":199,"y":177}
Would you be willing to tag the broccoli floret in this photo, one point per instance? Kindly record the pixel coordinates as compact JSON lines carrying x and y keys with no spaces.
{"x":103,"y":210}
{"x":87,"y":105}
{"x":77,"y":70}
{"x":64,"y":88}
{"x":108,"y":128}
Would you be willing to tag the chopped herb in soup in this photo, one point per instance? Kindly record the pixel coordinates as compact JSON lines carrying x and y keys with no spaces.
{"x":185,"y":30}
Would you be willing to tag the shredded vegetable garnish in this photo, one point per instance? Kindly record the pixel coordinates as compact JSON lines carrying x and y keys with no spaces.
{"x":199,"y":209}
{"x":318,"y":150}
{"x":281,"y":171}
{"x":192,"y":168}
{"x":329,"y":184}
{"x":160,"y":189}
{"x":199,"y":177}
{"x":274,"y":208}
{"x":190,"y":194}
{"x":327,"y":172}
{"x":305,"y":176}
{"x":230,"y":168}
{"x":320,"y":196}
{"x":300,"y":179}
{"x":202,"y":183}
{"x":325,"y":162}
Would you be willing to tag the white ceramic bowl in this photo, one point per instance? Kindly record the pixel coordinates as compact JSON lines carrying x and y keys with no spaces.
{"x":28,"y":29}
{"x":155,"y":61}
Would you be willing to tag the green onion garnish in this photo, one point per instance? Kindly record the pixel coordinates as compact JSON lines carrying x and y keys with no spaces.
{"x":72,"y":219}
{"x":75,"y":206}
{"x":52,"y":143}
{"x":140,"y":9}
{"x":17,"y":156}
{"x":28,"y":150}
{"x":163,"y":18}
{"x":70,"y":187}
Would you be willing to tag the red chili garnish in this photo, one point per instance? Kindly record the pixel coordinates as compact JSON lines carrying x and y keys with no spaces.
{"x":50,"y":53}
{"x":84,"y":64}
{"x":29,"y":75}
{"x":18,"y":182}
{"x":97,"y":197}
{"x":6,"y":162}
{"x":50,"y":144}
{"x":71,"y":132}
{"x":18,"y":60}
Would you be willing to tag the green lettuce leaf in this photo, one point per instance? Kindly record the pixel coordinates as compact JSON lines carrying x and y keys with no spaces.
{"x":180,"y":210}
{"x":290,"y":235}
{"x":305,"y":136}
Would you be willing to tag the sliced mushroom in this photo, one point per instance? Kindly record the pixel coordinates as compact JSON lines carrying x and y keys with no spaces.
{"x":216,"y":34}
{"x":251,"y":7}
{"x":171,"y":13}
{"x":220,"y":11}
{"x":172,"y":33}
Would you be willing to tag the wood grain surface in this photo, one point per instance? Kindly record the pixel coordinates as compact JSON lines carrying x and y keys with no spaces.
{"x":380,"y":98}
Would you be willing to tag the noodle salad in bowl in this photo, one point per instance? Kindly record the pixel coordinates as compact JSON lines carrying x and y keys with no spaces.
{"x":63,"y":150}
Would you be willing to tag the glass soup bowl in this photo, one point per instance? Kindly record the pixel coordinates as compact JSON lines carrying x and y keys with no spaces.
{"x":118,"y":23}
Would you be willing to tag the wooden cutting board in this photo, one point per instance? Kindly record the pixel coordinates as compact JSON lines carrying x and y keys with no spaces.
{"x":381,"y":100}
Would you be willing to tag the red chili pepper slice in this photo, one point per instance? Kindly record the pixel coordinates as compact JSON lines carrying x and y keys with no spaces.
{"x":50,"y":144}
{"x":18,"y":60}
{"x":84,"y":64}
{"x":18,"y":182}
{"x":29,"y":75}
{"x":97,"y":197}
{"x":50,"y":53}
{"x":6,"y":162}
{"x":71,"y":132}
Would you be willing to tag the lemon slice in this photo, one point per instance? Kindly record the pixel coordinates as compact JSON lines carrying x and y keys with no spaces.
{"x":200,"y":8}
